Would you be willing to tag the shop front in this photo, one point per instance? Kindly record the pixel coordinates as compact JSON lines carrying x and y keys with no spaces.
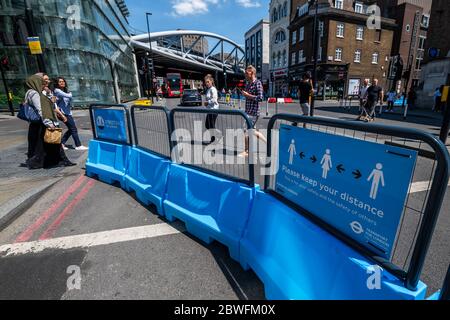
{"x":280,"y":83}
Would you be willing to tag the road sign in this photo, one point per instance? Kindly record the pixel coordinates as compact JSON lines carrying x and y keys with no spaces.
{"x":110,"y":124}
{"x":356,"y":186}
{"x":35,"y":45}
{"x":433,"y":53}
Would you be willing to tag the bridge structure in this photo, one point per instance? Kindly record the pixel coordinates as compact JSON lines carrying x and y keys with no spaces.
{"x":192,"y":53}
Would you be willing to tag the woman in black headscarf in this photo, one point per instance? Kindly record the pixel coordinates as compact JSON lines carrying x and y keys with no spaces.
{"x":41,"y":154}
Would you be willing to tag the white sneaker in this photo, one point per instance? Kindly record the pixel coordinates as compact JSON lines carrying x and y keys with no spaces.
{"x":81,"y":148}
{"x":65,"y":148}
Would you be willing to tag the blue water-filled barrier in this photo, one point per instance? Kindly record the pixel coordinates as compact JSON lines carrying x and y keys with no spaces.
{"x":146,"y":175}
{"x":296,"y":259}
{"x":212,"y":208}
{"x":108,"y":161}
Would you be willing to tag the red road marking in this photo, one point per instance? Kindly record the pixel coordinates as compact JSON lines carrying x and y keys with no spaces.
{"x":67,"y":210}
{"x":27,"y":234}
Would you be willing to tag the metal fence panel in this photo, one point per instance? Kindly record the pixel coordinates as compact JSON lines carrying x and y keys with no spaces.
{"x":224,"y":155}
{"x":423,"y":204}
{"x":151,"y":129}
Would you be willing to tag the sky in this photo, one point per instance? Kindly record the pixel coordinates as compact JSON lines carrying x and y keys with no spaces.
{"x":229,"y":18}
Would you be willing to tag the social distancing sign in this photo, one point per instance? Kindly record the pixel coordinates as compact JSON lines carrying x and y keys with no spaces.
{"x":356,"y":186}
{"x":110,"y":124}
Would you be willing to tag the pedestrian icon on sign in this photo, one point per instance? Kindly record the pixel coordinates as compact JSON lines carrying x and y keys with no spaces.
{"x":326,"y":163}
{"x":292,"y":152}
{"x":376,"y":176}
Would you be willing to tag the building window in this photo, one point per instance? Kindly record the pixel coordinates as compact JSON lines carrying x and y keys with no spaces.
{"x":275,"y":15}
{"x":293,"y":58}
{"x":359,"y":33}
{"x":301,"y":58}
{"x":375,"y":57}
{"x":274,"y":61}
{"x":301,"y":34}
{"x":359,"y":7}
{"x":340,"y":30}
{"x":358,"y":56}
{"x":378,"y":35}
{"x":339,"y":4}
{"x":321,"y":27}
{"x":280,"y":37}
{"x":422,"y":42}
{"x":425,"y":21}
{"x":319,"y":54}
{"x":284,"y":58}
{"x":279,"y":59}
{"x":418,"y":63}
{"x":294,"y":37}
{"x":338,"y":55}
{"x":285,"y":9}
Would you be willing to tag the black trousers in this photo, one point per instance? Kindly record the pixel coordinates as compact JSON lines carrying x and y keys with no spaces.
{"x":41,"y":154}
{"x":35,"y":139}
{"x":210,"y":123}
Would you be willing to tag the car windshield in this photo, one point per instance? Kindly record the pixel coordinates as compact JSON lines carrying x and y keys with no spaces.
{"x":190,"y":91}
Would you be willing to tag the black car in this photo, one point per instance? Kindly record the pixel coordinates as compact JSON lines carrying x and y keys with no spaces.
{"x":191,"y":97}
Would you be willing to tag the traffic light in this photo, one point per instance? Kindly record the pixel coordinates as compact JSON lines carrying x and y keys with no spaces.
{"x":4,"y":61}
{"x":150,"y":64}
{"x":224,"y":70}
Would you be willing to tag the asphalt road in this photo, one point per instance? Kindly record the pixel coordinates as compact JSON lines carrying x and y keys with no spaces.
{"x":128,"y":252}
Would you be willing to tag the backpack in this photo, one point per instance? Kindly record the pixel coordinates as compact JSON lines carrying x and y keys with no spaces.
{"x":28,"y":112}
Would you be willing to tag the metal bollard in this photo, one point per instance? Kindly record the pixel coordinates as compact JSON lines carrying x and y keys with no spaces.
{"x":267,"y":107}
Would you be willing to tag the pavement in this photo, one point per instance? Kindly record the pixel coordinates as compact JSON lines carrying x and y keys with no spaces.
{"x":62,"y":224}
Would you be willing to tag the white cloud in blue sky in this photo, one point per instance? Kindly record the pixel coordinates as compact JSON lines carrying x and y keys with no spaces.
{"x":230,"y":18}
{"x":248,"y":3}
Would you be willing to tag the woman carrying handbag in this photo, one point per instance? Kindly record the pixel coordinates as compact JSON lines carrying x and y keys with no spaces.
{"x":44,"y":137}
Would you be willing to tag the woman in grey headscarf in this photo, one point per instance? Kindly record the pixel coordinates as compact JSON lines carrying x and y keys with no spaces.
{"x":41,"y":154}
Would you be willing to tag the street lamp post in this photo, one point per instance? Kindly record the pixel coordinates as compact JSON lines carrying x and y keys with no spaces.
{"x":315,"y":47}
{"x":151,"y":57}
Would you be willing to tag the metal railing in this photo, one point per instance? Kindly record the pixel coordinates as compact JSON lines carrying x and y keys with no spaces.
{"x":151,"y":128}
{"x":420,"y":212}
{"x":227,"y":128}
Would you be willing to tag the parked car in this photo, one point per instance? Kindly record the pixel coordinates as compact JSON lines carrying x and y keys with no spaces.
{"x":191,"y":97}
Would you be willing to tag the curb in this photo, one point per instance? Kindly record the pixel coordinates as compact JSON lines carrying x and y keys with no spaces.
{"x":13,"y":208}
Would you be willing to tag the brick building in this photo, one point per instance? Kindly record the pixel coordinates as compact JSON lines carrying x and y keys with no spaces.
{"x":412,"y":18}
{"x":435,"y":71}
{"x":349,"y":50}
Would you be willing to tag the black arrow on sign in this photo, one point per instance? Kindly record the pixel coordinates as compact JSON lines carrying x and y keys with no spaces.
{"x":357,"y":174}
{"x":340,"y":168}
{"x":302,"y":155}
{"x":313,"y":159}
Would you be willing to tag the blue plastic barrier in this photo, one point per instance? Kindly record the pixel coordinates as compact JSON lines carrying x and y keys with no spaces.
{"x":295,"y":259}
{"x":211,"y":207}
{"x":108,"y":161}
{"x":147,"y":176}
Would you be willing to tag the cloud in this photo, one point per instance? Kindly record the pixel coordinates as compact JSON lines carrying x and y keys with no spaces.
{"x":191,"y":7}
{"x":248,"y":3}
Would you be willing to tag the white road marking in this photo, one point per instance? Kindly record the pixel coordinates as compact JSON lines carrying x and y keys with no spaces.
{"x":89,"y":240}
{"x":421,"y":186}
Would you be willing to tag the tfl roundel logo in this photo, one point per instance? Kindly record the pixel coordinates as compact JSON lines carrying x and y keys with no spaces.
{"x":100,"y":122}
